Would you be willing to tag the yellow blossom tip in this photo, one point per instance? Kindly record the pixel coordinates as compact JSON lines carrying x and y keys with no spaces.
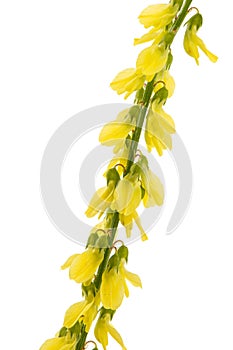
{"x":144,"y":237}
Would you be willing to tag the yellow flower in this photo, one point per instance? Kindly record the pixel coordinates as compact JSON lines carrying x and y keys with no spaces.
{"x":101,"y":200}
{"x":82,"y":267}
{"x":103,"y":328}
{"x":166,"y":77}
{"x":74,"y":313}
{"x":61,"y":343}
{"x":127,"y":222}
{"x":159,"y":127}
{"x":114,"y":286}
{"x":121,"y":157}
{"x":127,"y":81}
{"x":158,"y":16}
{"x":154,"y":192}
{"x":84,"y":311}
{"x":127,"y":196}
{"x":114,"y":133}
{"x":192,"y":41}
{"x":91,"y":313}
{"x":152,"y":60}
{"x":153,"y":34}
{"x":112,"y":289}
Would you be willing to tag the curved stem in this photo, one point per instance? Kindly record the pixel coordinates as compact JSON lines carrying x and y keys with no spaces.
{"x":132,"y":152}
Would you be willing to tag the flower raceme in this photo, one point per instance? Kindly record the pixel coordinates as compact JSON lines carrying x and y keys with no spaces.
{"x":152,"y":59}
{"x":192,"y":41}
{"x":103,"y":274}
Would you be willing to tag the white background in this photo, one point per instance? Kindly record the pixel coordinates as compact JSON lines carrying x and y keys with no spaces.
{"x":57,"y":58}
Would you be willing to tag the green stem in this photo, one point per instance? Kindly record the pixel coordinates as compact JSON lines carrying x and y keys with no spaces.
{"x":103,"y":265}
{"x":132,"y":152}
{"x":184,"y":10}
{"x":82,"y":341}
{"x":138,"y":130}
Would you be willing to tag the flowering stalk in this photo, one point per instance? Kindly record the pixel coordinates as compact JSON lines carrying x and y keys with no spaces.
{"x":130,"y":181}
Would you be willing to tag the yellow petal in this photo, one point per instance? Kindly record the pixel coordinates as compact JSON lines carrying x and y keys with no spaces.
{"x":112,"y":289}
{"x":128,"y":81}
{"x":113,"y":332}
{"x":139,"y":225}
{"x":127,"y":222}
{"x":202,"y":46}
{"x":122,"y":196}
{"x":85,"y":265}
{"x":101,"y":200}
{"x":91,"y":313}
{"x":166,"y":122}
{"x":133,"y":278}
{"x":152,"y":60}
{"x":148,"y":139}
{"x":135,"y":200}
{"x":158,"y":146}
{"x":153,"y":34}
{"x":74,"y":312}
{"x":158,"y":15}
{"x":190,"y":47}
{"x":114,"y":131}
{"x":126,"y":289}
{"x":69,"y":261}
{"x":101,"y":332}
{"x":53,"y":344}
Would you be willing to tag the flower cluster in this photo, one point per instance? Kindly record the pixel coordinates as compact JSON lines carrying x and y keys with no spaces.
{"x":130,"y":182}
{"x":125,"y":194}
{"x":82,"y":269}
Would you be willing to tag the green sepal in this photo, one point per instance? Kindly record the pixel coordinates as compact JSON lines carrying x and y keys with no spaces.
{"x":92,"y":240}
{"x":123,"y":252}
{"x":142,"y":192}
{"x":62,"y":332}
{"x":160,"y":95}
{"x":76,"y":329}
{"x":108,"y":218}
{"x":102,"y":242}
{"x":134,"y":112}
{"x":178,"y":2}
{"x":114,"y":261}
{"x":104,"y":311}
{"x":135,"y":170}
{"x":169,"y":61}
{"x":196,"y":20}
{"x":86,"y":290}
{"x":113,"y":175}
{"x":143,"y":162}
{"x":139,"y":95}
{"x":168,"y":39}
